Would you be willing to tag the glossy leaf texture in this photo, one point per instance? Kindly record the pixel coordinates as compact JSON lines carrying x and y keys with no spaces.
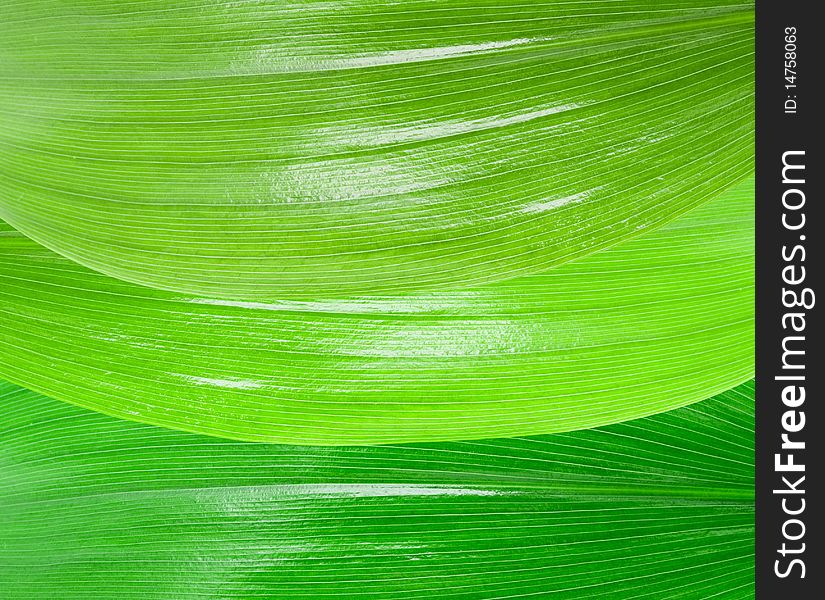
{"x":655,"y":323}
{"x":96,"y":507}
{"x":310,"y":150}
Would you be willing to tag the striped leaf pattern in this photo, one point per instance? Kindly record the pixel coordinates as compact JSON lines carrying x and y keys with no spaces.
{"x":421,"y":299}
{"x":97,"y":507}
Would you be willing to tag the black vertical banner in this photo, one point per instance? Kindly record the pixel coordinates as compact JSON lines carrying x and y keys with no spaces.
{"x":790,"y":432}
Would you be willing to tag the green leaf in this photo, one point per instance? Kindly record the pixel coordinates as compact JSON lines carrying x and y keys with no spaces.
{"x":306,"y":150}
{"x":660,"y":321}
{"x":96,"y":507}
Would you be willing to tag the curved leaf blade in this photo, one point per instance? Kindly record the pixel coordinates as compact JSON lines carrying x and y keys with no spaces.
{"x":659,"y":322}
{"x":98,"y":507}
{"x":317,"y":150}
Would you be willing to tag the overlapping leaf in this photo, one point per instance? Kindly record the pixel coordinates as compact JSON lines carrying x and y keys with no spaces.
{"x":96,"y":507}
{"x":302,"y":149}
{"x":658,"y":322}
{"x":345,"y":222}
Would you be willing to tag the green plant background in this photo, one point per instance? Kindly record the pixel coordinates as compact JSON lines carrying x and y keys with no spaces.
{"x":423,"y":299}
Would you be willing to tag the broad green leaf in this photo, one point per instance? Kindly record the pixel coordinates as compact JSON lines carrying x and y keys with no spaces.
{"x":96,"y":507}
{"x":317,"y":149}
{"x":658,"y":322}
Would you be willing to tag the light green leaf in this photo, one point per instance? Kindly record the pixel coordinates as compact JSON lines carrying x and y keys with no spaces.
{"x":300,"y":149}
{"x":658,"y":322}
{"x":95,"y":507}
